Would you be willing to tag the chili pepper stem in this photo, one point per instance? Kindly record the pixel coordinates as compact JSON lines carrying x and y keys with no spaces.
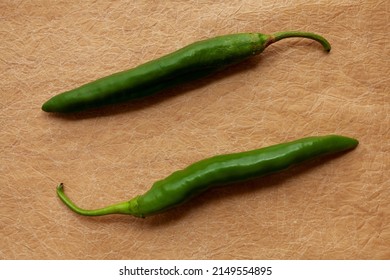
{"x":126,"y":207}
{"x":289,"y":34}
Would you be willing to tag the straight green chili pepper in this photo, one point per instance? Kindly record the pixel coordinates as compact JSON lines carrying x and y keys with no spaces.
{"x":194,"y":61}
{"x":184,"y":184}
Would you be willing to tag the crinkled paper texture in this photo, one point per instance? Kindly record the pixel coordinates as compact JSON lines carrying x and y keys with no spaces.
{"x":337,"y":208}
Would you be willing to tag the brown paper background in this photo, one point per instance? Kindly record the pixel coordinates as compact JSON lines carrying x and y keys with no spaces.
{"x":336,"y":209}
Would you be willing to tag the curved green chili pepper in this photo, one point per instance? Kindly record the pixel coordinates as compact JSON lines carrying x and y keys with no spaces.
{"x":194,"y":61}
{"x":184,"y":184}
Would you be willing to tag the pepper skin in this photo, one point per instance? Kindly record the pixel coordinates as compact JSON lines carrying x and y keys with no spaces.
{"x":185,"y":184}
{"x":192,"y":62}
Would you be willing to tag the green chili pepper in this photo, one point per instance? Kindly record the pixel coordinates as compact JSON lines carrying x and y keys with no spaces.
{"x":184,"y":184}
{"x":189,"y":63}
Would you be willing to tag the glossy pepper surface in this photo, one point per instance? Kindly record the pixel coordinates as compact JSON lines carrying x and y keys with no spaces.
{"x":184,"y":184}
{"x":194,"y":61}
